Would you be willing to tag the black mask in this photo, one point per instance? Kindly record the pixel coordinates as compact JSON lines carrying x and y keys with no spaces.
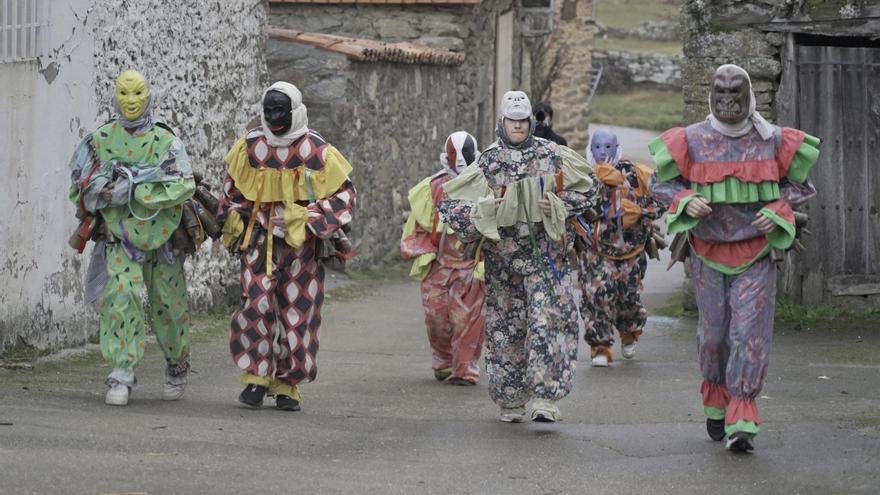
{"x":277,"y":111}
{"x":730,"y":95}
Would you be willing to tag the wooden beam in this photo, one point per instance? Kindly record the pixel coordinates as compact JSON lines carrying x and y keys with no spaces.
{"x":862,"y":28}
{"x":853,"y":285}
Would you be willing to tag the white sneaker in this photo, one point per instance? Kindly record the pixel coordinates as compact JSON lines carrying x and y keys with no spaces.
{"x":175,"y":381}
{"x":600,"y":361}
{"x":513,"y":414}
{"x":117,"y":395}
{"x":172,"y":391}
{"x":545,"y":411}
{"x":628,"y":351}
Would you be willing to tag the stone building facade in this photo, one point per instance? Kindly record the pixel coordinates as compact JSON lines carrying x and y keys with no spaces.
{"x":814,"y":65}
{"x":392,"y":118}
{"x":205,"y":62}
{"x":207,"y":65}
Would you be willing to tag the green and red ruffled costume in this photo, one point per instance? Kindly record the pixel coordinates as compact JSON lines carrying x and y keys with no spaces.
{"x":734,"y":278}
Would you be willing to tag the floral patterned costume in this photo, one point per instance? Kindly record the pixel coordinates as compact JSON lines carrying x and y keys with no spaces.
{"x":614,"y":264}
{"x":531,"y":304}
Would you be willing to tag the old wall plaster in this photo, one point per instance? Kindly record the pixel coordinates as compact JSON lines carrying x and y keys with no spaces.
{"x":205,"y":62}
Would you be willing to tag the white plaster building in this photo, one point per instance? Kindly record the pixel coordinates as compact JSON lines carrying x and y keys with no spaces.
{"x":58,"y":60}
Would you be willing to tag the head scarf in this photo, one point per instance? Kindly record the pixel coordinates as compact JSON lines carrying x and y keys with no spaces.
{"x":754,"y":119}
{"x":299,"y":122}
{"x":460,"y":151}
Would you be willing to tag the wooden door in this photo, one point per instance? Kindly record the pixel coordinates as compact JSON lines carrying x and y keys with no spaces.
{"x":838,"y":100}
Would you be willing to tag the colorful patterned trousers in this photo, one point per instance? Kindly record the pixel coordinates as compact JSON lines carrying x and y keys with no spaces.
{"x":531,"y":335}
{"x":122,"y":312}
{"x":455,"y":318}
{"x":733,"y":339}
{"x":274,"y":333}
{"x":612,"y":300}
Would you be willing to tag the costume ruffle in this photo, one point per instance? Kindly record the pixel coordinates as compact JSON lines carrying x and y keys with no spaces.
{"x":286,"y":184}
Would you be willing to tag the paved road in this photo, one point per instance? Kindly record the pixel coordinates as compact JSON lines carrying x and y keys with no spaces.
{"x":377,"y":422}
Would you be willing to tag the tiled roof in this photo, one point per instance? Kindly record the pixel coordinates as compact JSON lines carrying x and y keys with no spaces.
{"x":371,"y":50}
{"x":387,"y":2}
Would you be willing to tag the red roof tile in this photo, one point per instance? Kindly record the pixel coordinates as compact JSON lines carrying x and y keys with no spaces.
{"x":379,"y":2}
{"x":371,"y":50}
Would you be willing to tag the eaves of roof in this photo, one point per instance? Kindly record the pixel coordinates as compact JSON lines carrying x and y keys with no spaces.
{"x":365,"y":50}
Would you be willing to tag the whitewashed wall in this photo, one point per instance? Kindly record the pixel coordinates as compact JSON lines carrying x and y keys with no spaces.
{"x":206,"y":65}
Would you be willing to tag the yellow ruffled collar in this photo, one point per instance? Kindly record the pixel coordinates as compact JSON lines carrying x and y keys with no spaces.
{"x":286,"y":184}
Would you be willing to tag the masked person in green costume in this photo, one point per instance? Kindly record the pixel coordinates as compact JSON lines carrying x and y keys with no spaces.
{"x":730,"y":182}
{"x":133,"y":174}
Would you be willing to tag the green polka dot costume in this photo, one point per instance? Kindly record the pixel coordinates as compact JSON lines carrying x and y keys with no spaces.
{"x":154,"y":166}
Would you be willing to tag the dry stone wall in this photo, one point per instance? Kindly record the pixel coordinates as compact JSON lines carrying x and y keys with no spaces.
{"x":752,"y":34}
{"x":621,"y":70}
{"x":704,"y":50}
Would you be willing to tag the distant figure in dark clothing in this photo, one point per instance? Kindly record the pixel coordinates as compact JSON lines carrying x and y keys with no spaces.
{"x":543,"y":113}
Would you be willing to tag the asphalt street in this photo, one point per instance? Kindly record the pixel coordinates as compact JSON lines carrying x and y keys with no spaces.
{"x":376,"y":421}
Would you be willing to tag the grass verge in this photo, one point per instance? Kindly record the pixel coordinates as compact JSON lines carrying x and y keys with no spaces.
{"x":673,"y":308}
{"x":787,"y":313}
{"x":627,"y":14}
{"x":798,"y":314}
{"x":21,"y":353}
{"x":611,"y":43}
{"x":651,"y":109}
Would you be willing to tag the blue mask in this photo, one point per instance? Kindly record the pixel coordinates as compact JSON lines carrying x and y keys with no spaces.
{"x":604,"y":146}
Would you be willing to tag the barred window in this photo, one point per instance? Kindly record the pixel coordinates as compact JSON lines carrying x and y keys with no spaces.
{"x":23,"y":30}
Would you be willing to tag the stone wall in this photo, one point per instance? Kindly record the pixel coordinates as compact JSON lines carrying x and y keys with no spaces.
{"x":706,"y":48}
{"x":567,"y":64}
{"x":751,"y":34}
{"x":391,"y":120}
{"x":767,"y":38}
{"x":206,"y":66}
{"x":465,"y":28}
{"x":625,"y":69}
